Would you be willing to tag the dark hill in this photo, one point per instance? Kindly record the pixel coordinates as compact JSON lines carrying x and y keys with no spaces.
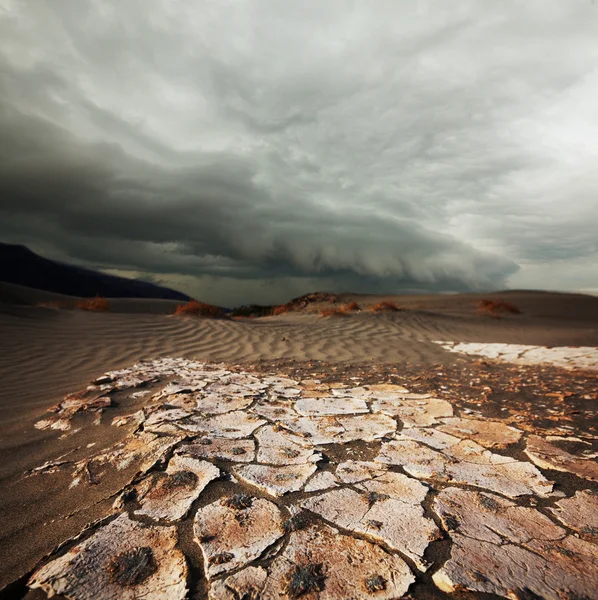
{"x":20,"y":265}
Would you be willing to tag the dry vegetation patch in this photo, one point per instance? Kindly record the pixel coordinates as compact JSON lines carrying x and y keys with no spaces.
{"x":200,"y":309}
{"x":251,"y":311}
{"x":307,"y":302}
{"x":386,"y":306}
{"x":496,"y":308}
{"x":352,"y":307}
{"x":98,"y":303}
{"x":281,"y":309}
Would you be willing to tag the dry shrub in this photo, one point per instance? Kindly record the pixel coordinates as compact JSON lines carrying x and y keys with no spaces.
{"x":313,"y":298}
{"x":333,"y":312}
{"x":98,"y":303}
{"x":494,"y":308}
{"x":281,"y":310}
{"x":250,"y":311}
{"x":386,"y":306}
{"x":345,"y":309}
{"x":309,"y":303}
{"x":195,"y":308}
{"x":352,"y":307}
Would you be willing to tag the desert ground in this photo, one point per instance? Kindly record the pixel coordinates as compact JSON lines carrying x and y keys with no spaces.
{"x":429,"y":452}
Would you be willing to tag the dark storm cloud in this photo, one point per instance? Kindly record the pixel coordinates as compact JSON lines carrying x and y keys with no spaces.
{"x":396,"y":148}
{"x":96,"y":203}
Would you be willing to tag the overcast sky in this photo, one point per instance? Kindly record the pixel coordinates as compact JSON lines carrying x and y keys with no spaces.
{"x":253,"y":151}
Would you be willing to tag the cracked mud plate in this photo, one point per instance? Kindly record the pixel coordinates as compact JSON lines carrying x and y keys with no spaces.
{"x":299,"y":489}
{"x":510,"y":550}
{"x":123,"y":559}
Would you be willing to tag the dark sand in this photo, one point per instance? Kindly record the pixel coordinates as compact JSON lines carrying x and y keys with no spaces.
{"x":47,"y":353}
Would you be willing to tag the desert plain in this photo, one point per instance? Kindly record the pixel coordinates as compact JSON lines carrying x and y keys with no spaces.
{"x":436,"y":451}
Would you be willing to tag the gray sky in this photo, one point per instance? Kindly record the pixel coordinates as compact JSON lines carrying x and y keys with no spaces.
{"x":253,"y":151}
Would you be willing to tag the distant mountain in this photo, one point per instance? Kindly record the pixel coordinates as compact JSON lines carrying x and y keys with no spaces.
{"x":20,"y":265}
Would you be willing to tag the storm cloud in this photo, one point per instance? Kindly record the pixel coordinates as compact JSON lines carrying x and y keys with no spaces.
{"x":246,"y":151}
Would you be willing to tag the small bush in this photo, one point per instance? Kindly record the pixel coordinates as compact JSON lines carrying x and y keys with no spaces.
{"x":195,"y":308}
{"x":96,"y":304}
{"x":494,"y":308}
{"x":386,"y":306}
{"x":281,"y":310}
{"x":343,"y":310}
{"x":251,"y":311}
{"x":313,"y":298}
{"x":352,"y":307}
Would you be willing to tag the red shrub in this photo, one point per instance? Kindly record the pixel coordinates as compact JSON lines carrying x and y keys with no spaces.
{"x":352,"y":307}
{"x":281,"y":310}
{"x":386,"y":306}
{"x":200,"y":309}
{"x":96,"y":304}
{"x":494,"y":308}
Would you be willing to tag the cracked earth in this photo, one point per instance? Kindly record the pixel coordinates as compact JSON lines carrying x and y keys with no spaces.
{"x":294,"y":488}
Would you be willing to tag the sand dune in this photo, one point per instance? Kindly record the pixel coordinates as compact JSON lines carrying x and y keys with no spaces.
{"x":45,"y":352}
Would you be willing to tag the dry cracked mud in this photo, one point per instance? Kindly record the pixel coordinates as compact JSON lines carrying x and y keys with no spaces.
{"x":510,"y":550}
{"x":122,"y":559}
{"x":250,"y":486}
{"x":566,"y":357}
